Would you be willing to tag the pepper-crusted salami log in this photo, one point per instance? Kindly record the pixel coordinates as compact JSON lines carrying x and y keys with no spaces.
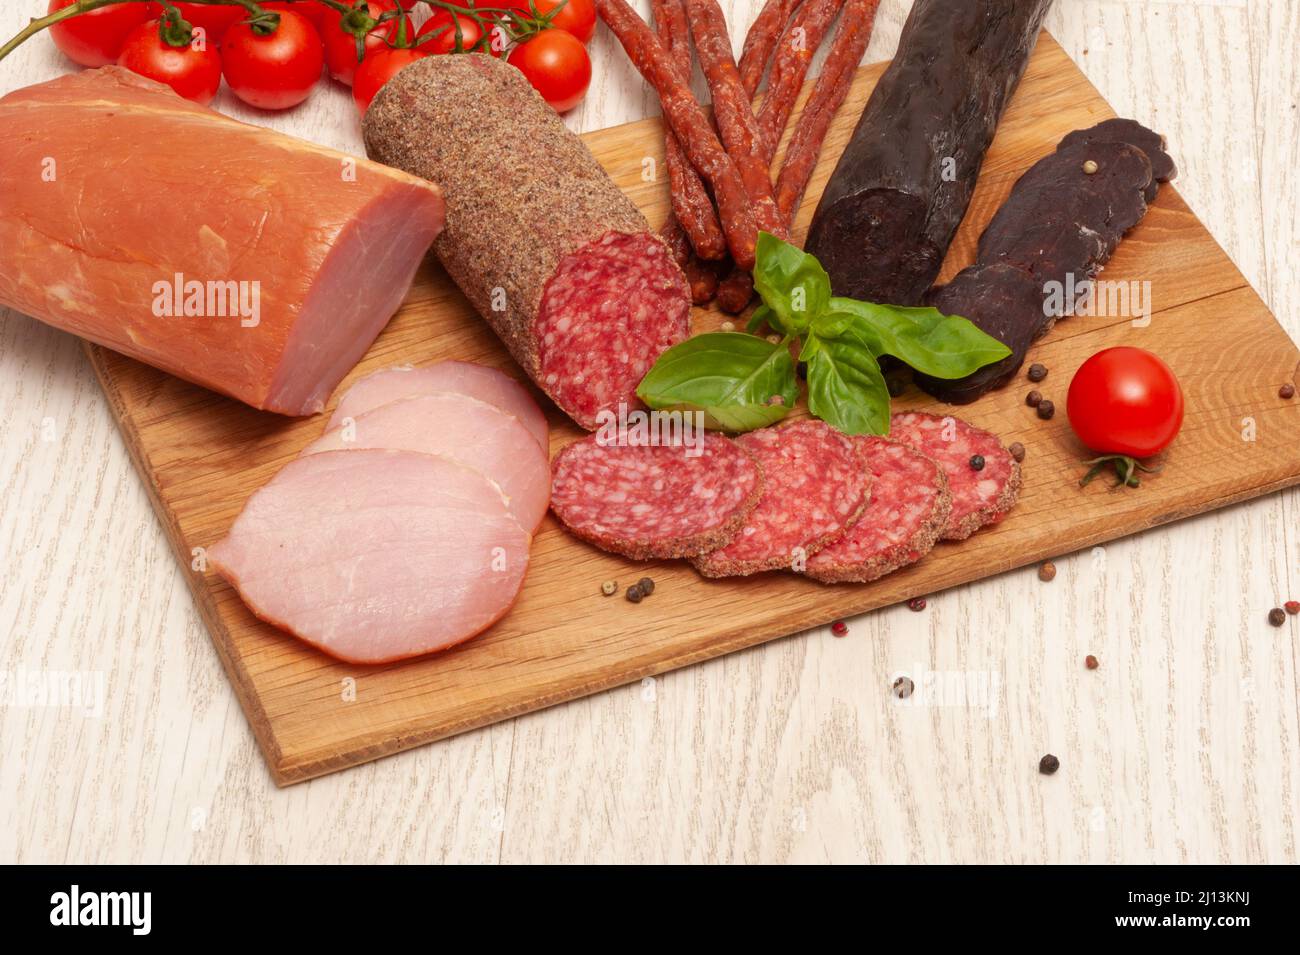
{"x":745,"y":142}
{"x":693,"y":214}
{"x":690,"y":125}
{"x":909,"y":507}
{"x":1059,"y":226}
{"x":657,"y":501}
{"x":903,"y":183}
{"x":983,"y":477}
{"x":816,"y":483}
{"x":541,"y":242}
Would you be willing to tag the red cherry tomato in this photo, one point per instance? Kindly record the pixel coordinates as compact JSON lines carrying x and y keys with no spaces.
{"x":1125,"y":401}
{"x":214,"y":19}
{"x":576,"y":16}
{"x":193,"y":71}
{"x":341,"y":46}
{"x":557,"y":65}
{"x":377,"y":69}
{"x":96,"y":38}
{"x":442,"y":25}
{"x":276,"y":70}
{"x":313,"y":11}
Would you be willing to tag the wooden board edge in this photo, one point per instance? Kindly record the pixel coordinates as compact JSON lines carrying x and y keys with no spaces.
{"x":290,"y":770}
{"x":261,"y":725}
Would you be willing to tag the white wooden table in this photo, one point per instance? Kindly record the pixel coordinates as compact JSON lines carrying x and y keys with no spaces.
{"x":1183,"y":746}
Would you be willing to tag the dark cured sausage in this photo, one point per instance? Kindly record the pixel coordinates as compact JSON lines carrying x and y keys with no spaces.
{"x":561,"y":265}
{"x":689,"y":123}
{"x":694,"y":217}
{"x":1056,"y":230}
{"x":894,"y":201}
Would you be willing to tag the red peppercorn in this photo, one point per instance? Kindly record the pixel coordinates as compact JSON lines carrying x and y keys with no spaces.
{"x":839,"y":628}
{"x":1292,"y":607}
{"x":1091,"y":662}
{"x":916,"y":604}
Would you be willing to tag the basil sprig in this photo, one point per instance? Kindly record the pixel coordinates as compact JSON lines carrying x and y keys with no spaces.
{"x":742,"y":382}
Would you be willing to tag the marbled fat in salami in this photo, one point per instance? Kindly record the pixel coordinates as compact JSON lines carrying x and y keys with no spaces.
{"x":980,"y":495}
{"x":909,"y":508}
{"x":651,"y":502}
{"x":611,"y":308}
{"x":816,"y":485}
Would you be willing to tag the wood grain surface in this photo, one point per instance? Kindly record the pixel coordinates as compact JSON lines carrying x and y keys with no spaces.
{"x":1181,"y":747}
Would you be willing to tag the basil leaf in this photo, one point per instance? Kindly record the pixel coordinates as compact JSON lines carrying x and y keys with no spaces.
{"x":760,"y":318}
{"x":845,"y":386}
{"x":792,"y":284}
{"x":729,"y":376}
{"x":942,"y":346}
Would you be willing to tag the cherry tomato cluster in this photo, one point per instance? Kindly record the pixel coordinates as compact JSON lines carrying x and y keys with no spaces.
{"x":272,"y":54}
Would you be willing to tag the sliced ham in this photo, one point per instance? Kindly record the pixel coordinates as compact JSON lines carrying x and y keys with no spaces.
{"x":466,"y":430}
{"x":462,"y":377}
{"x":373,"y":556}
{"x":115,"y":192}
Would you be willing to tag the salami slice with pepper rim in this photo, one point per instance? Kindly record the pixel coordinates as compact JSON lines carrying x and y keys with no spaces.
{"x":982,"y":475}
{"x":816,"y":486}
{"x":656,"y":501}
{"x":909,"y":507}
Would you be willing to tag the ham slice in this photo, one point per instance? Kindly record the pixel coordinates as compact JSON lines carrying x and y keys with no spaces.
{"x":462,"y":377}
{"x":466,"y":430}
{"x":373,"y":556}
{"x":115,"y":192}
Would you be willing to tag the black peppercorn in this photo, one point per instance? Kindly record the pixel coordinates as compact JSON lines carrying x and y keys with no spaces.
{"x":1277,"y":616}
{"x":1037,"y":372}
{"x":977,"y":462}
{"x":1034,"y":399}
{"x":1046,"y":409}
{"x":646,"y":585}
{"x":1048,"y":764}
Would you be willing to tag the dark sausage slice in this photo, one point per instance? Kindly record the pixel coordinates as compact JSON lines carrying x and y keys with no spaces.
{"x":1056,"y":230}
{"x":1135,"y":134}
{"x":903,"y":183}
{"x":543,"y":244}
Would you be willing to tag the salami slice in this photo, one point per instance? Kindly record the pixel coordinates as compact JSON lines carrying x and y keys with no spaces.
{"x":909,"y":507}
{"x":816,"y":485}
{"x":652,"y":502}
{"x":983,"y":491}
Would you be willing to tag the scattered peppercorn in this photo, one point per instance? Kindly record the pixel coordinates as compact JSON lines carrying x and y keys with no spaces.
{"x":1292,"y":607}
{"x":646,"y":585}
{"x":1277,"y":616}
{"x":1089,"y":167}
{"x":728,"y":326}
{"x":903,"y":687}
{"x":1037,"y":372}
{"x":774,"y":339}
{"x":977,"y":462}
{"x":609,"y":587}
{"x":1046,"y":571}
{"x":1046,"y":409}
{"x":1034,"y":399}
{"x":634,"y":594}
{"x":1091,"y":662}
{"x":1048,"y":764}
{"x":1286,"y":391}
{"x":1017,"y":451}
{"x":916,"y":604}
{"x":801,"y":370}
{"x":839,"y":628}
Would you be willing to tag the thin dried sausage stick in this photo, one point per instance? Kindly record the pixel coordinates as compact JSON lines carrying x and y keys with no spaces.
{"x":693,"y":214}
{"x":737,"y":126}
{"x":790,"y":62}
{"x":689,"y":124}
{"x":763,"y":33}
{"x":850,"y":43}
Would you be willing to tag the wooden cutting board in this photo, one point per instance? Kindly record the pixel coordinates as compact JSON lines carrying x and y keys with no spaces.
{"x":202,"y":456}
